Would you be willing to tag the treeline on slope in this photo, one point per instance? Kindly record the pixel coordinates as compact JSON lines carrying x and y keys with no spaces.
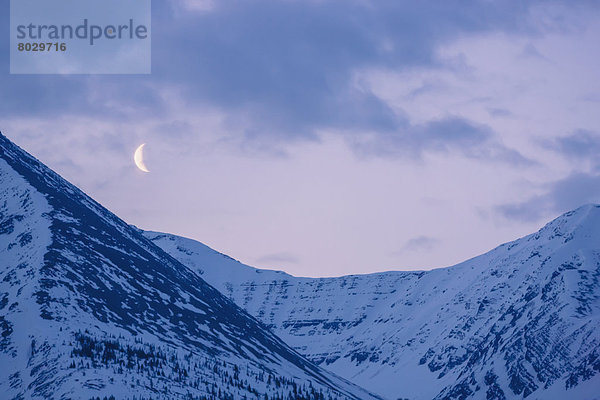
{"x":157,"y":369}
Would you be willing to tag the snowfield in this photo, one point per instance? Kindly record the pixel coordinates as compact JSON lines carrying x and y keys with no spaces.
{"x":89,"y":308}
{"x":522,"y":321}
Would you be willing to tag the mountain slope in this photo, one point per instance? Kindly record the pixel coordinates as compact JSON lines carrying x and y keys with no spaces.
{"x":89,"y":307}
{"x":522,"y":321}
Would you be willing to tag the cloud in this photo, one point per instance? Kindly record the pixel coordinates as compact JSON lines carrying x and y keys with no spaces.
{"x":193,"y":5}
{"x":287,"y":68}
{"x":560,"y":196}
{"x":581,"y":145}
{"x":277,"y":70}
{"x":277,"y":259}
{"x":530,"y":51}
{"x":499,"y":112}
{"x":419,"y":244}
{"x":530,"y":210}
{"x":451,"y":134}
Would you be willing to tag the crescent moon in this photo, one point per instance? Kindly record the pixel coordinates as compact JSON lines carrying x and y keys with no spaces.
{"x":138,"y":158}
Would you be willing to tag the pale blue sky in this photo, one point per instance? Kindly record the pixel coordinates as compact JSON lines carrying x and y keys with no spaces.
{"x":334,"y":137}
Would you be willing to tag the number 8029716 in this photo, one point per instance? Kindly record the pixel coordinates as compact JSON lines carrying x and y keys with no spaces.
{"x":42,"y":46}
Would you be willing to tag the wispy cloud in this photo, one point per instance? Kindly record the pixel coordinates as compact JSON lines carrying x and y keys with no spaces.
{"x":419,"y":244}
{"x":499,"y":112}
{"x":560,"y":196}
{"x":582,"y":145}
{"x":449,"y":135}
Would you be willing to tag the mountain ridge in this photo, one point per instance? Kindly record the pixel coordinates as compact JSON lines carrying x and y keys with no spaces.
{"x":89,"y":307}
{"x":462,"y":330}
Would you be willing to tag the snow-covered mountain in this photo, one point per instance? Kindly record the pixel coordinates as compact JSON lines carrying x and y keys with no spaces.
{"x":89,"y":308}
{"x":522,"y":321}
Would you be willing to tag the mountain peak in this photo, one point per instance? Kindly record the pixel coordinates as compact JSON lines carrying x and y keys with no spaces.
{"x":91,"y":308}
{"x":582,"y":222}
{"x":518,"y":321}
{"x":582,"y":213}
